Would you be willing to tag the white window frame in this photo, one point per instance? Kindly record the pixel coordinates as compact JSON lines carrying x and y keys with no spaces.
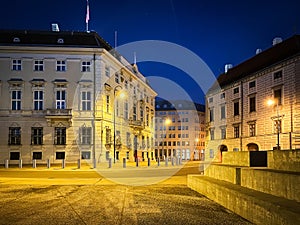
{"x":38,"y":65}
{"x":17,"y":99}
{"x":61,"y":65}
{"x":86,"y":100}
{"x":16,"y":64}
{"x":85,"y":66}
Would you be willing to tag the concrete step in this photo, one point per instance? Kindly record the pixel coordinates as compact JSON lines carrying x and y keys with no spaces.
{"x":255,"y":206}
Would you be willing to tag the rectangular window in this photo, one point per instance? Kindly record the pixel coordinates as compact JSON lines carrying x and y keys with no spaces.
{"x":38,"y":100}
{"x":210,"y":100}
{"x":126,"y":114}
{"x":236,"y":108}
{"x":223,"y":133}
{"x":86,"y":155}
{"x":36,"y":135}
{"x":141,"y":114}
{"x":60,"y":155}
{"x":223,"y":112}
{"x":14,"y":155}
{"x":86,"y":66}
{"x":107,"y":71}
{"x":211,"y":115}
{"x":236,"y":90}
{"x":107,"y":103}
{"x":108,"y":136}
{"x":211,"y":153}
{"x":252,"y":84}
{"x":252,"y":104}
{"x":16,"y":100}
{"x":277,"y":75}
{"x":38,"y":65}
{"x":61,"y":66}
{"x":60,"y":136}
{"x":222,"y":96}
{"x":14,"y":136}
{"x":86,"y":135}
{"x":236,"y":131}
{"x":60,"y":99}
{"x":117,"y":78}
{"x":16,"y":64}
{"x":212,"y":134}
{"x":134,"y":112}
{"x":37,"y":155}
{"x":86,"y":100}
{"x":252,"y":131}
{"x":278,"y":96}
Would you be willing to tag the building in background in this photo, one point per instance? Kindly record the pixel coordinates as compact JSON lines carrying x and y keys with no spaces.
{"x":238,"y":110}
{"x":69,"y":95}
{"x":179,"y":129}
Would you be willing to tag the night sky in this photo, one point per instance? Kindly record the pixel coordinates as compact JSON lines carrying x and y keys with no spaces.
{"x":218,"y":32}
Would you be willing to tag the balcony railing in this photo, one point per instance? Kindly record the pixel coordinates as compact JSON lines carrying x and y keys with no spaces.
{"x":59,"y":112}
{"x":136,"y":124}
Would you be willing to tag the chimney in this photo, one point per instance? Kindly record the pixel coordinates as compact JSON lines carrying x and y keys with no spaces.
{"x":54,"y":27}
{"x":227,"y":67}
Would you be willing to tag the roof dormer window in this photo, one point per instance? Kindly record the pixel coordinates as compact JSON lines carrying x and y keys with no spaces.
{"x":16,"y":40}
{"x":60,"y":40}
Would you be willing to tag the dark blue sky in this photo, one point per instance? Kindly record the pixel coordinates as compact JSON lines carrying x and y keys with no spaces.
{"x":219,"y":32}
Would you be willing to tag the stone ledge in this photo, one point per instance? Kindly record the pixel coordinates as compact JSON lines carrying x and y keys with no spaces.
{"x":255,"y":206}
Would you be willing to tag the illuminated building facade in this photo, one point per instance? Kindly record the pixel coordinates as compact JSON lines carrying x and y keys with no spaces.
{"x":179,"y":130}
{"x":237,"y":114}
{"x":69,"y":95}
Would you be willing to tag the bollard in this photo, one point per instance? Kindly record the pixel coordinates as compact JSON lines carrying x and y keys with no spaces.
{"x":48,"y":163}
{"x":63,"y":164}
{"x":124,"y":162}
{"x":94,"y":163}
{"x":180,"y":161}
{"x":78,"y":164}
{"x":158,"y":161}
{"x":6,"y":163}
{"x":172,"y":160}
{"x":109,"y":163}
{"x":177,"y":161}
{"x":149,"y":161}
{"x":137,"y":162}
{"x":166,"y":161}
{"x":20,"y":163}
{"x":34,"y":163}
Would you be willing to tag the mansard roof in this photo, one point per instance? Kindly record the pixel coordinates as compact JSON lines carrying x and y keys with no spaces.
{"x":52,"y":39}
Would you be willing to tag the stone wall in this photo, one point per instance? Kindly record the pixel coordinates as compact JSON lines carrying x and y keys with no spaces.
{"x":284,"y":160}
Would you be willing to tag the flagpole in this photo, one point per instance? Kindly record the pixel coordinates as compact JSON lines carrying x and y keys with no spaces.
{"x":87,"y":18}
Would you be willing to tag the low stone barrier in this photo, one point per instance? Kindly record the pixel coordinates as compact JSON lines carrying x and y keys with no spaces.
{"x":255,"y":206}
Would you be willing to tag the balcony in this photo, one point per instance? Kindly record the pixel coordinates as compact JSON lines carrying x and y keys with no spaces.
{"x":55,"y":116}
{"x":136,"y":124}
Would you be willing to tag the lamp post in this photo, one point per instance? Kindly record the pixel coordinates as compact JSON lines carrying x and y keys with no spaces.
{"x":272,"y":102}
{"x":166,"y":122}
{"x":114,"y":117}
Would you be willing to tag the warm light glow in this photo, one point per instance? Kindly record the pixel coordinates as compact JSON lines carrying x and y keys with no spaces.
{"x":122,"y":94}
{"x":197,"y":139}
{"x":270,"y":102}
{"x":167,"y":121}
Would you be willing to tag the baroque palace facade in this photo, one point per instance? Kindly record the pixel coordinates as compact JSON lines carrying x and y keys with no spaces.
{"x":69,"y":95}
{"x":179,"y":129}
{"x":239,"y":117}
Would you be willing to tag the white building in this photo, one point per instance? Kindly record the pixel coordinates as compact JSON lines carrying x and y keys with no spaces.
{"x":61,"y":98}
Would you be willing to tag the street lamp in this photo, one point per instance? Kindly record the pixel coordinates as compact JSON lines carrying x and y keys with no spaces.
{"x":121,"y":94}
{"x":272,"y":102}
{"x":166,"y":122}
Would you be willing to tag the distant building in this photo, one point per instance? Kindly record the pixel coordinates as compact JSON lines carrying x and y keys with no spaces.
{"x":179,"y":130}
{"x":238,"y":116}
{"x":61,"y":99}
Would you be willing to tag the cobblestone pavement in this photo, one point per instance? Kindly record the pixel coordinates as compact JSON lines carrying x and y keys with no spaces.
{"x":65,"y":197}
